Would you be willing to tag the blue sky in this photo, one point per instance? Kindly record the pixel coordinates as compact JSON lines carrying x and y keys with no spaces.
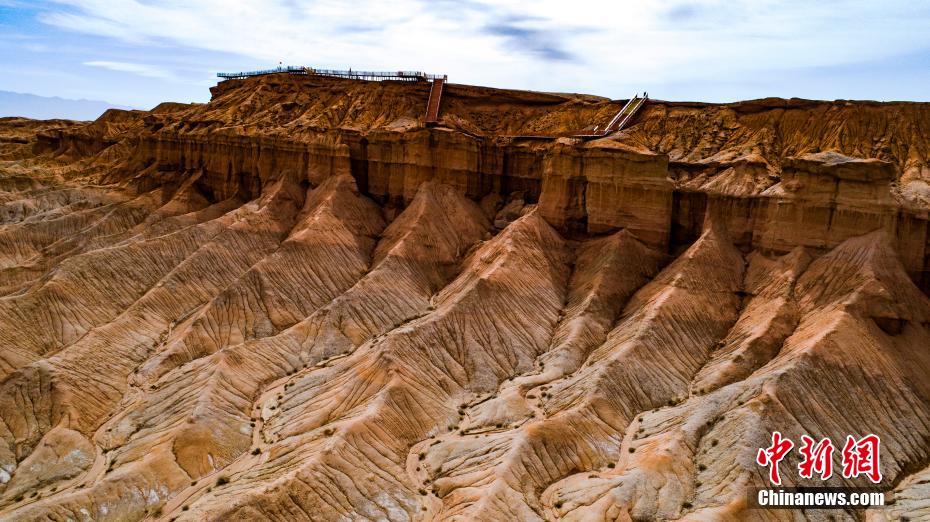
{"x":140,"y":52}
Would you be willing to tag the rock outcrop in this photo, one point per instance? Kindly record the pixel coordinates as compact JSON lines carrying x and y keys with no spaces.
{"x":297,"y":302}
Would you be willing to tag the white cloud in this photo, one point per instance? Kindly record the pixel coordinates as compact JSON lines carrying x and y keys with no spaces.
{"x":141,"y":69}
{"x":602,"y":46}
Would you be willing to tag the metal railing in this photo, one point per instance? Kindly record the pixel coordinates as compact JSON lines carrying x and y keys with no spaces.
{"x":409,"y":76}
{"x":619,"y":121}
{"x":630,"y":110}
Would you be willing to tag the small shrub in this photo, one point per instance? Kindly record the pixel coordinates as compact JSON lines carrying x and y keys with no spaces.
{"x":222,"y":479}
{"x":701,"y":467}
{"x":611,"y":465}
{"x":256,"y":451}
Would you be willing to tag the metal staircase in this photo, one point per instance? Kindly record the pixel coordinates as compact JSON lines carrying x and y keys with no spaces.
{"x":620,"y":120}
{"x":432,"y":106}
{"x":626,"y":114}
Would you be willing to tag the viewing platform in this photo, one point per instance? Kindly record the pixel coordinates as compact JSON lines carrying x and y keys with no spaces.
{"x":403,"y":76}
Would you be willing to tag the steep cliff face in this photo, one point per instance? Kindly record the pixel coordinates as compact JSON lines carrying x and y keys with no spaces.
{"x":296,"y":302}
{"x":781,"y":173}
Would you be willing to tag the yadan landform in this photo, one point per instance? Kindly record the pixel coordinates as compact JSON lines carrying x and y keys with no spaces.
{"x":304,"y":300}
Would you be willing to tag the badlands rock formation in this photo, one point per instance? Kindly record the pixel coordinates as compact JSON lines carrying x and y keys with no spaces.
{"x":296,"y":302}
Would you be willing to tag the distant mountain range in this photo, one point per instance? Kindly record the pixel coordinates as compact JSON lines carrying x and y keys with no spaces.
{"x":45,"y":108}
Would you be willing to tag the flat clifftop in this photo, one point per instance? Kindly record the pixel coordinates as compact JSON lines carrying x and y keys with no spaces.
{"x":297,"y":302}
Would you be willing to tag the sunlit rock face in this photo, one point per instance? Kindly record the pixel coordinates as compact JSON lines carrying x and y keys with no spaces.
{"x":295,"y":302}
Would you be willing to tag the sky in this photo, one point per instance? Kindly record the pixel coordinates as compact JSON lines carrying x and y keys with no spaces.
{"x":138,"y":53}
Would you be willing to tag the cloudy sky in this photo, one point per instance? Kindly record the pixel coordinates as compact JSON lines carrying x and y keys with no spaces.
{"x":140,"y":52}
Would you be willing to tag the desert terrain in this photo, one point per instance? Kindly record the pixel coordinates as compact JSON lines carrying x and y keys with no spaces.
{"x":297,"y":302}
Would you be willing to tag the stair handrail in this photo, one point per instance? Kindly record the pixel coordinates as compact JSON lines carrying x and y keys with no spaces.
{"x":619,"y":114}
{"x":633,"y":110}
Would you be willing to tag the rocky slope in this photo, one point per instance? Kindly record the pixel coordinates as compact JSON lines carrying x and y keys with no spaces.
{"x":296,"y":302}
